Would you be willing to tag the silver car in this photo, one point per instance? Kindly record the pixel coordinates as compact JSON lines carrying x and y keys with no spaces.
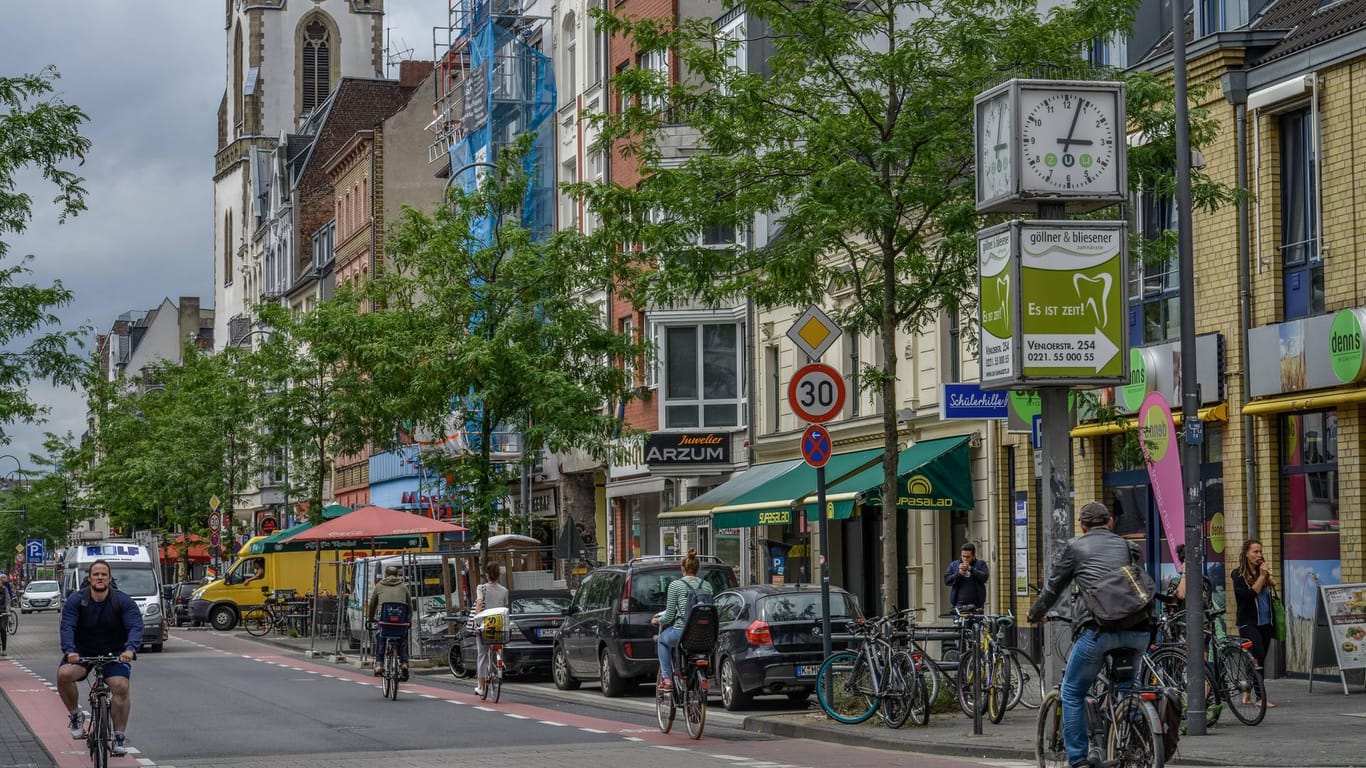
{"x":40,"y":596}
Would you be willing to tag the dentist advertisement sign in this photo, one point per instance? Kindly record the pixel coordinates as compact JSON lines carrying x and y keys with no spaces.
{"x":1052,"y":302}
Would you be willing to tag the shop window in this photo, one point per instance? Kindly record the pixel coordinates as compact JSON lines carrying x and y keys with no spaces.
{"x":1301,"y":259}
{"x":702,"y":376}
{"x":772,"y":388}
{"x":1309,"y":469}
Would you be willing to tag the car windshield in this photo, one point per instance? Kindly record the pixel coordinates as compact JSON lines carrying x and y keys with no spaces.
{"x":41,"y":586}
{"x":539,"y":604}
{"x":802,"y":606}
{"x":137,"y":581}
{"x":650,"y":590}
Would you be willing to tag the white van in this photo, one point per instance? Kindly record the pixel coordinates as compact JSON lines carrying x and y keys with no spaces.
{"x":135,"y":574}
{"x":422,"y":574}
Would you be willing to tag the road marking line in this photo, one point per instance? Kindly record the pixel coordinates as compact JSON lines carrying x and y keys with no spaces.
{"x":452,"y":701}
{"x":484,"y":709}
{"x":591,"y":730}
{"x":672,"y":749}
{"x":516,"y":716}
{"x":429,"y":696}
{"x":728,"y":757}
{"x":632,"y":738}
{"x":552,"y":722}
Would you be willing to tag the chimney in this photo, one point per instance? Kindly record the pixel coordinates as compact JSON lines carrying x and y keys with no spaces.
{"x":412,"y":73}
{"x":187,"y":320}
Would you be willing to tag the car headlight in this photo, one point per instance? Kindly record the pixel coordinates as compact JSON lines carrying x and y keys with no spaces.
{"x":153,"y":609}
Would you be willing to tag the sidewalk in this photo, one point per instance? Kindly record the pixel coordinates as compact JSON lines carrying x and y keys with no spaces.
{"x":19,"y":747}
{"x":1323,"y":728}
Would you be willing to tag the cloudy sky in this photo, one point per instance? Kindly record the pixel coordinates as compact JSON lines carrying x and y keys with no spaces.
{"x":150,"y":76}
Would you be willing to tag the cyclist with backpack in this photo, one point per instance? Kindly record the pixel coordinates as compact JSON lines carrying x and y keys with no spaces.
{"x":683,"y":594}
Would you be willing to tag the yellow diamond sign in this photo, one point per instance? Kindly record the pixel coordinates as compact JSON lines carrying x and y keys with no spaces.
{"x":814,"y":332}
{"x":214,"y":503}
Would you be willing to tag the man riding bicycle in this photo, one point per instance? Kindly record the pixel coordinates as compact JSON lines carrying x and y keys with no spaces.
{"x":1085,"y":559}
{"x":99,"y":620}
{"x":390,"y":589}
{"x":671,"y":621}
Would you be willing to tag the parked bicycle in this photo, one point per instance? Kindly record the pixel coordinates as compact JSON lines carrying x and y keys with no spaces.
{"x":99,"y":735}
{"x":1232,"y":680}
{"x":874,"y":678}
{"x":261,"y":620}
{"x":983,"y":662}
{"x":455,"y":658}
{"x":1121,"y":719}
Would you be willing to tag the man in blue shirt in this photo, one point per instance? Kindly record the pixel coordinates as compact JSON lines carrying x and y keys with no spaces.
{"x":966,"y":579}
{"x":99,"y":620}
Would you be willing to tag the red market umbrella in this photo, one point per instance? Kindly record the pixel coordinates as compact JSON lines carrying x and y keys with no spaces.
{"x":375,"y":522}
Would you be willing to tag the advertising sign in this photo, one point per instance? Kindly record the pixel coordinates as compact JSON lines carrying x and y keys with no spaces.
{"x":1052,"y":307}
{"x":1345,"y":605}
{"x":1157,"y":433}
{"x":688,"y":448}
{"x":1344,"y":345}
{"x":969,"y":401}
{"x":1307,"y":353}
{"x":1073,"y":318}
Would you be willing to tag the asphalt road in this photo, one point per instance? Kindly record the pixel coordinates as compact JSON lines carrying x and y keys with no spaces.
{"x":215,"y":699}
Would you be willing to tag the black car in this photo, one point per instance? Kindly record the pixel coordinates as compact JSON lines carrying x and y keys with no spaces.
{"x":536,"y":615}
{"x":770,"y":639}
{"x":607,"y":632}
{"x":178,"y":602}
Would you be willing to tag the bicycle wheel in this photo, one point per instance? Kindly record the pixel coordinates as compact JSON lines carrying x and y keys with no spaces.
{"x":256,"y":621}
{"x":930,"y":674}
{"x":101,"y":734}
{"x":1169,"y":665}
{"x":1049,"y":750}
{"x":664,"y":705}
{"x":963,"y":686}
{"x":1241,"y":685}
{"x":496,"y":681}
{"x":998,"y":693}
{"x":455,"y":659}
{"x":895,"y":704}
{"x":1026,"y":680}
{"x":1134,"y":739}
{"x":695,"y":704}
{"x":844,"y":688}
{"x":13,"y":626}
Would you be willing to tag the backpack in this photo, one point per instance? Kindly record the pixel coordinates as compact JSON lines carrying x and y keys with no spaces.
{"x":1170,"y":714}
{"x":1122,"y":598}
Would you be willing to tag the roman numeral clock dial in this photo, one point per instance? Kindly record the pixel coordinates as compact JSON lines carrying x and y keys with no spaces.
{"x":1068,"y":140}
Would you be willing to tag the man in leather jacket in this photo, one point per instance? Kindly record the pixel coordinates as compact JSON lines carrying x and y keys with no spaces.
{"x":1097,"y":551}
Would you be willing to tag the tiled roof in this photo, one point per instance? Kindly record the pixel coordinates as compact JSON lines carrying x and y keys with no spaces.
{"x":1309,"y":22}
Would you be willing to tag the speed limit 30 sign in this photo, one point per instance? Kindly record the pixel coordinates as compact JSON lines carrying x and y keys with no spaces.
{"x":816,"y":393}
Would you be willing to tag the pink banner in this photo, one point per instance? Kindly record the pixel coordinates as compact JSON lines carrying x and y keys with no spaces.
{"x":1157,"y":436}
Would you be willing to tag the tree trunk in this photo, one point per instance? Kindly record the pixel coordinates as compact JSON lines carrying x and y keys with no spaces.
{"x":890,"y":545}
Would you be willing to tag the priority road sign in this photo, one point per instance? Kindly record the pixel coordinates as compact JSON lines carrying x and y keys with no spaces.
{"x":814,"y":332}
{"x":816,"y":393}
{"x":214,"y":503}
{"x":816,"y":446}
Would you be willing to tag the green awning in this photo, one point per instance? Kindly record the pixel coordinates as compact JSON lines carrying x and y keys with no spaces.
{"x":335,"y":510}
{"x":931,"y":475}
{"x":772,"y":502}
{"x":739,"y":483}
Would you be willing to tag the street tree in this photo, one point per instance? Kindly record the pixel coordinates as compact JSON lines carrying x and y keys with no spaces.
{"x":854,"y":146}
{"x":483,"y":329}
{"x":39,"y":134}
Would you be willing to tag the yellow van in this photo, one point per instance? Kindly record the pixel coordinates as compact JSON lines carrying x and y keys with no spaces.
{"x":266,"y":565}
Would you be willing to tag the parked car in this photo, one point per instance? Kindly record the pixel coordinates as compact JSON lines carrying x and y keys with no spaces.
{"x":536,"y":616}
{"x":770,"y":639}
{"x":40,"y":596}
{"x":607,"y":633}
{"x":178,"y":602}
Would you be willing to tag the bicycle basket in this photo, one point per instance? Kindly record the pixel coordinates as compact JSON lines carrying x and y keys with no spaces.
{"x":493,"y":625}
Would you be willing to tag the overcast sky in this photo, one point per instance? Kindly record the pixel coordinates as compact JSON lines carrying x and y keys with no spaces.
{"x":152,"y":92}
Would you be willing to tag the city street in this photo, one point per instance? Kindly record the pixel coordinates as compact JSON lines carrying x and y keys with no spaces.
{"x":213,"y":699}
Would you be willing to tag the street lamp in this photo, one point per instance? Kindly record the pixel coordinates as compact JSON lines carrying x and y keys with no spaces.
{"x":285,"y":506}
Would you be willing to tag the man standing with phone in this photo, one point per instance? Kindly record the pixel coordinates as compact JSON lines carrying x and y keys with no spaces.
{"x":966,"y":579}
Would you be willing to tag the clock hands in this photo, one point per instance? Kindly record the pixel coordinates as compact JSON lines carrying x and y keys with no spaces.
{"x":1069,"y":141}
{"x":1000,"y":119}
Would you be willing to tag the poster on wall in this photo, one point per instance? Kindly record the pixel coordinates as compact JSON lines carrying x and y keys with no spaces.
{"x":1021,"y":547}
{"x":1345,"y":605}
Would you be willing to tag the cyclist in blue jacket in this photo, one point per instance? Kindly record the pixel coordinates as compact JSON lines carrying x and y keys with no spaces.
{"x":99,"y":620}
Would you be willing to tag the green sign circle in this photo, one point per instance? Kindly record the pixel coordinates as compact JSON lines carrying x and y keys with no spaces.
{"x":1131,"y":395}
{"x":1345,"y":346}
{"x":1156,"y":434}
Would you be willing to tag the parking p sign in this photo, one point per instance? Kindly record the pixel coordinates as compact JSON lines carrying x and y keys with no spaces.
{"x":33,"y":551}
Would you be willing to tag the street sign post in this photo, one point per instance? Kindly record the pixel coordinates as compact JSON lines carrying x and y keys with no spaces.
{"x":816,"y":446}
{"x":816,"y":393}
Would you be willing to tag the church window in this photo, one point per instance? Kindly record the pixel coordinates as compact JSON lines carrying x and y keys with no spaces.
{"x":316,"y":74}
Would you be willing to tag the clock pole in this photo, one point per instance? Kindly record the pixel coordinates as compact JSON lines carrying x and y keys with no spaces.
{"x":1055,"y":445}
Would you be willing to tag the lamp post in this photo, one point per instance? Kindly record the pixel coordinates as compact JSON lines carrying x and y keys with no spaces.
{"x":285,"y":506}
{"x":18,"y":474}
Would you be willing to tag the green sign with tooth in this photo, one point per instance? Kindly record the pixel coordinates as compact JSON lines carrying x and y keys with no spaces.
{"x":1052,"y":304}
{"x":1073,"y":314}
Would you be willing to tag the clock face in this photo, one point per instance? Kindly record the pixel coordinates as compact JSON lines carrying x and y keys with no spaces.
{"x":994,"y":126}
{"x":1068,"y":140}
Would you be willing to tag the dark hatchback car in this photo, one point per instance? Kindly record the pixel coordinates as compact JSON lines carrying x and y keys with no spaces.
{"x":607,"y":634}
{"x":536,"y":615}
{"x":178,"y":602}
{"x":770,"y":639}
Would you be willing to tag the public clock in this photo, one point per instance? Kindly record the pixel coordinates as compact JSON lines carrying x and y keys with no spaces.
{"x":1071,"y":140}
{"x":996,"y":146}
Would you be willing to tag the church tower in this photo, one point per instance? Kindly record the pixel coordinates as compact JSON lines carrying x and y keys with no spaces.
{"x":283,"y":58}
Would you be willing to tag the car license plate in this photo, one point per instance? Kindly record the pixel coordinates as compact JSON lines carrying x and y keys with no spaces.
{"x":545,"y":632}
{"x":808,"y":670}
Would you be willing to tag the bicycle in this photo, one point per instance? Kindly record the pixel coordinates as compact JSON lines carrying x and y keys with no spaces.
{"x":692,"y":669}
{"x":455,"y":656}
{"x":1232,"y":680}
{"x":12,"y":617}
{"x":983,"y":661}
{"x":1122,"y":726}
{"x":853,"y":685}
{"x":391,"y":666}
{"x":494,"y":633}
{"x":99,"y":735}
{"x":260,"y":620}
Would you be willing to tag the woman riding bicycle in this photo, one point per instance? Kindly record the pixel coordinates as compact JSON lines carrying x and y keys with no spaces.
{"x":491,"y":595}
{"x":671,"y":621}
